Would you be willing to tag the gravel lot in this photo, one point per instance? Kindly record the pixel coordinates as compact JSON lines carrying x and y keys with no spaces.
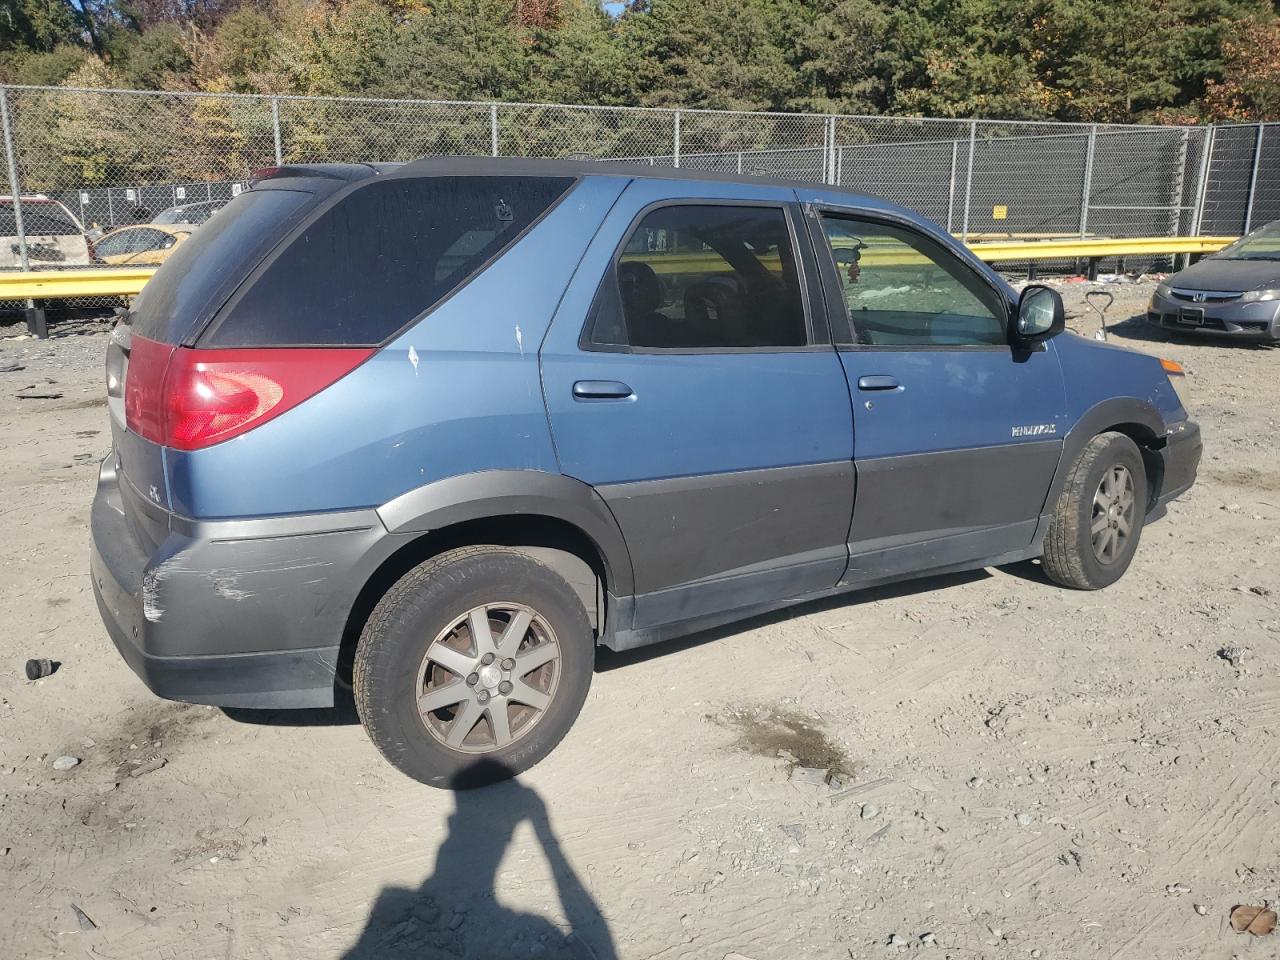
{"x":1022,"y":771}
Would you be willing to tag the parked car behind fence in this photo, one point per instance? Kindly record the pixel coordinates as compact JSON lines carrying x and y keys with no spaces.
{"x":55,"y":238}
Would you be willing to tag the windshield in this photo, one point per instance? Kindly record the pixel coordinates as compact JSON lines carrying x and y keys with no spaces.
{"x":1262,"y":244}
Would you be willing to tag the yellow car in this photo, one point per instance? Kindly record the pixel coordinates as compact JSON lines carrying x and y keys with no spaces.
{"x":147,"y":243}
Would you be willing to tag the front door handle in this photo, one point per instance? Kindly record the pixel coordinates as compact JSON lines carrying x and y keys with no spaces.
{"x":602,"y":390}
{"x":878,"y":381}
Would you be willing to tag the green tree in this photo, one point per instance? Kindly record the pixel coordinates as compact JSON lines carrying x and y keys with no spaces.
{"x":158,"y":59}
{"x":727,"y":54}
{"x":459,"y":49}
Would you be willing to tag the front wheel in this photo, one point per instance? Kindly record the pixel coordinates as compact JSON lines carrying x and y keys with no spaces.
{"x":473,"y":667}
{"x":1098,"y":518}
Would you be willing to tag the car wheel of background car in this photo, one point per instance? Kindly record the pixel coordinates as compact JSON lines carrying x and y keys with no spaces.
{"x":473,"y":666}
{"x":1097,"y":521}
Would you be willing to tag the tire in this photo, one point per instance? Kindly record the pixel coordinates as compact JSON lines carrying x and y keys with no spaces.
{"x":429,"y":619}
{"x":1094,"y":494}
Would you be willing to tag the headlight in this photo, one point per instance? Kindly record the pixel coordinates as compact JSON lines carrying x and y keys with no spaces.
{"x":1253,"y":296}
{"x":1164,"y":290}
{"x":1178,"y":380}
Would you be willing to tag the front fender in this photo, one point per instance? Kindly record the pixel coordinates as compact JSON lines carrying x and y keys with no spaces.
{"x":1099,"y":418}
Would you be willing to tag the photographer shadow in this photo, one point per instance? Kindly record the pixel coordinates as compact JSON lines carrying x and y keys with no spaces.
{"x":455,"y":913}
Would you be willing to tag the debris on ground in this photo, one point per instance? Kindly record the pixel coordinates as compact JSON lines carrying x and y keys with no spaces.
{"x":148,"y":766}
{"x":1233,"y":655}
{"x":38,"y":669}
{"x":85,"y":921}
{"x":1258,"y":921}
{"x":66,"y":763}
{"x":33,"y":391}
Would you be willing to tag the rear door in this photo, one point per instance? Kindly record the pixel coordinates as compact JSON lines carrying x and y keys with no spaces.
{"x":957,"y":434}
{"x":701,"y":400}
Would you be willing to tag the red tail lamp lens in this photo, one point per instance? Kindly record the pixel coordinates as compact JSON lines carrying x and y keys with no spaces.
{"x":208,"y":396}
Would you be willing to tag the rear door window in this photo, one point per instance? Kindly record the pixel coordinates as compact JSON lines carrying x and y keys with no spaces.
{"x":703,"y":276}
{"x":378,"y":258}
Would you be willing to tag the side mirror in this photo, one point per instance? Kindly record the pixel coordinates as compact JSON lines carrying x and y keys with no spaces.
{"x":1040,"y":315}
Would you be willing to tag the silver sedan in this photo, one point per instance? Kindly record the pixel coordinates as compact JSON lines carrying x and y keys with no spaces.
{"x":1234,"y":292}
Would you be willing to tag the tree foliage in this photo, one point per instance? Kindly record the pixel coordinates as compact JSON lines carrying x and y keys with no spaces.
{"x":1125,"y":60}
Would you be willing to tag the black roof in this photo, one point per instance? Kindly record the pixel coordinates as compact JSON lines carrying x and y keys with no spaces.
{"x":528,"y":167}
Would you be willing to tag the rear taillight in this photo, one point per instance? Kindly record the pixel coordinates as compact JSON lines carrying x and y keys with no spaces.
{"x":188,"y":399}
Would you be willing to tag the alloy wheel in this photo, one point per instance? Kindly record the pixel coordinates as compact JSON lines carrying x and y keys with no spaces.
{"x":1113,"y":507}
{"x":488,"y":678}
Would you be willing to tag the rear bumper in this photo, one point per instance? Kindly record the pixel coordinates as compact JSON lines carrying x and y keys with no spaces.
{"x":244,"y":613}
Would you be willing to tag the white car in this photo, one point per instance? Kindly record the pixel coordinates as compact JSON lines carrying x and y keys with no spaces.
{"x":55,"y":238}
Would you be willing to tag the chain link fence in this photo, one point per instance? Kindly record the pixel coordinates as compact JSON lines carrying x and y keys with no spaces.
{"x":113,"y":158}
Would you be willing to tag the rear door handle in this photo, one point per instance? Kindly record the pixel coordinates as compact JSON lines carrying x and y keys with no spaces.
{"x":878,"y":381}
{"x":602,"y":390}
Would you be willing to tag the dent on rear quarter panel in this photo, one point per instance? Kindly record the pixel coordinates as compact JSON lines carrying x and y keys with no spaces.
{"x":457,"y":393}
{"x":1095,"y":371}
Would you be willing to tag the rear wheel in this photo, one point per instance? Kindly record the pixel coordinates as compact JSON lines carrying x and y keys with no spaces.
{"x":473,"y":667}
{"x":1098,"y":518}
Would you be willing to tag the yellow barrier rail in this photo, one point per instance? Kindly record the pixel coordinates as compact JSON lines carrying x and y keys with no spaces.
{"x":1095,"y":248}
{"x":59,"y":284}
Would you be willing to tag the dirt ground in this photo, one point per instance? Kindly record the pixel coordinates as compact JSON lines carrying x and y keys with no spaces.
{"x":1022,"y":771}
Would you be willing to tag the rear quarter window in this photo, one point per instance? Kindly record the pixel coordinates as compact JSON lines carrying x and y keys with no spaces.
{"x":204,"y":270}
{"x":380,"y":256}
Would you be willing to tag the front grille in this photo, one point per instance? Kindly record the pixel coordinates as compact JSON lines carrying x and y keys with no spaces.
{"x":1206,"y":296}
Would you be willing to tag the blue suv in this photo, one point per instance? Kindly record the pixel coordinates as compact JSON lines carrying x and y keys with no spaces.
{"x":438,"y":430}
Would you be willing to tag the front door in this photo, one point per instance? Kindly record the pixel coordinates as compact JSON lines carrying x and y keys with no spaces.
{"x":957,"y":433}
{"x":699,"y":403}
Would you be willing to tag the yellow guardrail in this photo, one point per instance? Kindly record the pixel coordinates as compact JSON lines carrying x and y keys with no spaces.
{"x":59,"y":284}
{"x":992,"y":251}
{"x":128,"y":281}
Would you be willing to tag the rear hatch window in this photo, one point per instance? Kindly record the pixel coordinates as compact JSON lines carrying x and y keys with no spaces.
{"x":378,"y":258}
{"x":204,"y":270}
{"x":39,"y":218}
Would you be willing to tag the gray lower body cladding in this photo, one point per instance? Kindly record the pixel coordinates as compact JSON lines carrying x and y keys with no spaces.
{"x":243,"y":613}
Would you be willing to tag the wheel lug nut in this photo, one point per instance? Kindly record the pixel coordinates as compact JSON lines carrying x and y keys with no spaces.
{"x":508,"y":664}
{"x":487,"y":659}
{"x":504,"y":687}
{"x":483,"y":696}
{"x":473,"y":679}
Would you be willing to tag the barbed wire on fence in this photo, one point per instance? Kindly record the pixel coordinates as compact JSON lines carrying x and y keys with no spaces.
{"x":115,"y":157}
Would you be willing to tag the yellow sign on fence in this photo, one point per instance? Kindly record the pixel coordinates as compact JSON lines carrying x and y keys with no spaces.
{"x":999,"y":212}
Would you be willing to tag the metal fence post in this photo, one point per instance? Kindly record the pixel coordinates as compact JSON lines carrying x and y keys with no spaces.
{"x":1202,"y":188}
{"x":1087,"y":186}
{"x":832,"y":174}
{"x":968,"y":181}
{"x":1253,"y":178}
{"x":15,"y":190}
{"x":675,"y":139}
{"x":275,"y":130}
{"x":951,"y":190}
{"x":493,"y":129}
